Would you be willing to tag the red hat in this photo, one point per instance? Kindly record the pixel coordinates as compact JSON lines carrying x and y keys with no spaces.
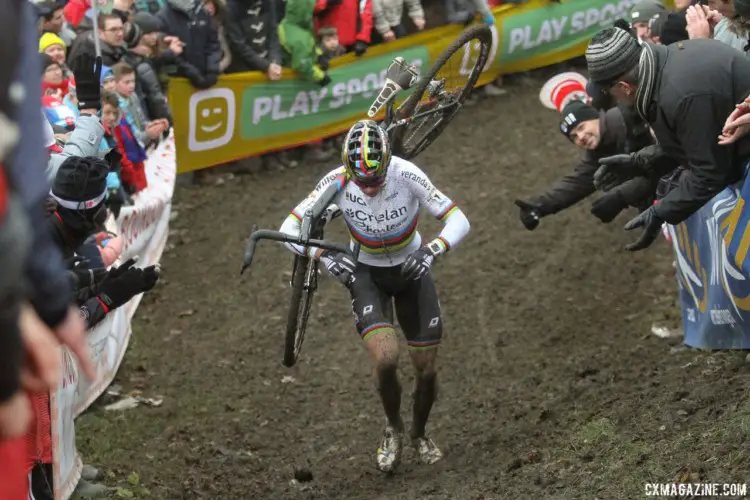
{"x":561,"y":89}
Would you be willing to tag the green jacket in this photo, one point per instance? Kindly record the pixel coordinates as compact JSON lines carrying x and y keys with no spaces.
{"x":297,"y":38}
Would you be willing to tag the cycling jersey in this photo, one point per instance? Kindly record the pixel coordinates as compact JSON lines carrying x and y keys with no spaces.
{"x":385,"y":225}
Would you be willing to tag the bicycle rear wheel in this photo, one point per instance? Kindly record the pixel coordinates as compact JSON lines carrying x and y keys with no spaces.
{"x":432,"y":104}
{"x":304,"y":284}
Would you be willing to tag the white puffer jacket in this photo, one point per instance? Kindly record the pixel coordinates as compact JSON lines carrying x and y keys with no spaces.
{"x":388,"y":13}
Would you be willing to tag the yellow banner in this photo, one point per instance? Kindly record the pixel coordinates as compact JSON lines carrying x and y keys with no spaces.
{"x":246,"y":114}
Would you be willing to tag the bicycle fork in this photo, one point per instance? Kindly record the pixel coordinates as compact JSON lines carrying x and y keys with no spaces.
{"x":311,"y":274}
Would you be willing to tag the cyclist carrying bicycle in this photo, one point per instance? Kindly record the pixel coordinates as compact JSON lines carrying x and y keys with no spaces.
{"x":381,"y":210}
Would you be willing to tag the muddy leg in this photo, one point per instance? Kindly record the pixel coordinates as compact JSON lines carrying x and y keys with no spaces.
{"x":383,"y":347}
{"x":425,"y":390}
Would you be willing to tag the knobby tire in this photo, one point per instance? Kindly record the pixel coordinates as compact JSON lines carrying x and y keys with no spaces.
{"x":479,"y":32}
{"x":299,"y":310}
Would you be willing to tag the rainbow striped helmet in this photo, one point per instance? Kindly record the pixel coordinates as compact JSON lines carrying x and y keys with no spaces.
{"x":366,"y":153}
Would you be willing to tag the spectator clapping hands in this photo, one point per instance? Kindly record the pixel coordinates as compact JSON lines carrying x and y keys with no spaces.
{"x":737,"y":124}
{"x":701,"y":21}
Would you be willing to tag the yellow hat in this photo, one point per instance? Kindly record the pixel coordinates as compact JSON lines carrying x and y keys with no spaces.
{"x":48,"y":40}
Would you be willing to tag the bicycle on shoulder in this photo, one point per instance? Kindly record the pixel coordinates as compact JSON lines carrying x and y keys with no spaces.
{"x":437,"y":96}
{"x":387,"y":265}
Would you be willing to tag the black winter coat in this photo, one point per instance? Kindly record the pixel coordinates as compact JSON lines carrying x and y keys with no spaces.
{"x":188,"y":21}
{"x":84,"y":44}
{"x":579,"y":184}
{"x":148,"y":87}
{"x":251,"y":30}
{"x":696,"y":87}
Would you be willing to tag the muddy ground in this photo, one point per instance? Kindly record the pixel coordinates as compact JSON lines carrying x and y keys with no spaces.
{"x":551,"y":384}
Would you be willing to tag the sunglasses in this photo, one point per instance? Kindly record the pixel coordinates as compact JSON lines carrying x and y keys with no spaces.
{"x":370,"y":182}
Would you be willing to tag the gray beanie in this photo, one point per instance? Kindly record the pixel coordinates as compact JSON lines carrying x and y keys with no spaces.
{"x":656,"y":24}
{"x":643,"y":11}
{"x":148,"y":23}
{"x":610,"y":54}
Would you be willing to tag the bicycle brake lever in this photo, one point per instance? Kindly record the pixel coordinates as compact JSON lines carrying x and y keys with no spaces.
{"x":355,"y":254}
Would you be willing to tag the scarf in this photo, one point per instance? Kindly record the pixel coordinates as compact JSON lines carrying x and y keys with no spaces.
{"x":63,"y":87}
{"x":131,"y":109}
{"x":648,"y":66}
{"x":133,"y":150}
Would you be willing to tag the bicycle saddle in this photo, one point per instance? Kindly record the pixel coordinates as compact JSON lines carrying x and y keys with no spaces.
{"x":399,"y":76}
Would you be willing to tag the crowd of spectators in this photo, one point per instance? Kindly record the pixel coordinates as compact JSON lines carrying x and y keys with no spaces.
{"x":665,"y":122}
{"x":201,"y":39}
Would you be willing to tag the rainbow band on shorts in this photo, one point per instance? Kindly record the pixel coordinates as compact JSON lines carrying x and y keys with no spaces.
{"x":376,"y":329}
{"x":419,"y":345}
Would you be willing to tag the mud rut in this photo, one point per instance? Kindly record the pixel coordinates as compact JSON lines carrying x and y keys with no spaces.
{"x":551,"y":385}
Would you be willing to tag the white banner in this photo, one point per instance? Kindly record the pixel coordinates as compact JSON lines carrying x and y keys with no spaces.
{"x":144,"y":228}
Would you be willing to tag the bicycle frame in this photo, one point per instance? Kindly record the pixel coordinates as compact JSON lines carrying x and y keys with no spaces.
{"x":401,"y":77}
{"x":390,"y":126}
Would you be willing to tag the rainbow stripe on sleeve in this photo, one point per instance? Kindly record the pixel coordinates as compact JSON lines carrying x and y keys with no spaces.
{"x":341,"y":181}
{"x":447,"y":212}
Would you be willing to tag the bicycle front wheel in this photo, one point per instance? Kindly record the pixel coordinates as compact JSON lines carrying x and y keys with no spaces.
{"x":304,"y":284}
{"x":440,"y":93}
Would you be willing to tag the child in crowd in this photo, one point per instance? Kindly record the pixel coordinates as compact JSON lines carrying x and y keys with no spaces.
{"x":53,"y":46}
{"x":328,"y":43}
{"x":108,"y":79}
{"x":329,"y":48}
{"x":145,"y":132}
{"x":54,"y":82}
{"x":54,"y":90}
{"x":132,"y":172}
{"x":109,"y":115}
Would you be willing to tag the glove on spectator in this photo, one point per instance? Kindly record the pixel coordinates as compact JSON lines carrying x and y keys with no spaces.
{"x":116,"y":272}
{"x":115,"y":292}
{"x":530,"y":214}
{"x":614,"y":170}
{"x":608,"y":206}
{"x":84,"y":278}
{"x":360,"y":48}
{"x":209,"y":81}
{"x":324,"y":61}
{"x":651,"y":224}
{"x":87,"y":71}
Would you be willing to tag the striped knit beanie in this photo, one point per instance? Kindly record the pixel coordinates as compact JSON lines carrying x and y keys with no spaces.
{"x":610,"y":54}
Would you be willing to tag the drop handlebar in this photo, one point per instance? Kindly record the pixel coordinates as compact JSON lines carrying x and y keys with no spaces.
{"x":267,"y":234}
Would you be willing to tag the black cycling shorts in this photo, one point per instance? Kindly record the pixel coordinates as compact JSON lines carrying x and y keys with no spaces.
{"x":417,"y":306}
